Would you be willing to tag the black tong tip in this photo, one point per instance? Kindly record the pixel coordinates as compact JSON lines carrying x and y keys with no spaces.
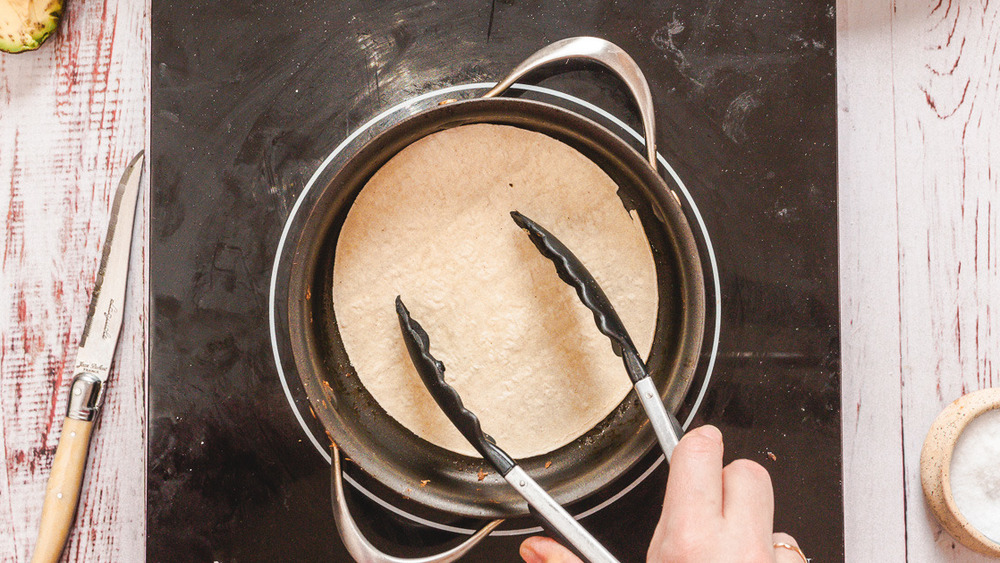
{"x":572,"y":271}
{"x":431,"y":372}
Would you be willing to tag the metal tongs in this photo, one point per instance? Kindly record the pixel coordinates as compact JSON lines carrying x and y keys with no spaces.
{"x":552,"y":513}
{"x":571,"y":270}
{"x":431,"y":371}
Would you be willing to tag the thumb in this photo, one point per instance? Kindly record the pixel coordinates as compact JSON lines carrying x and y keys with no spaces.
{"x":538,"y":549}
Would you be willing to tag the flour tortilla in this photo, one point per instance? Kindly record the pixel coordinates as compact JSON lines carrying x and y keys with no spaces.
{"x":433,"y":225}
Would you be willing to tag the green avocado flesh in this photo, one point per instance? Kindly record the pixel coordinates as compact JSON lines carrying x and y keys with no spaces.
{"x":25,"y":24}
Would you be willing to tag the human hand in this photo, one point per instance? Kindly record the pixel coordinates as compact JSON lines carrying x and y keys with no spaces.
{"x":710,"y":513}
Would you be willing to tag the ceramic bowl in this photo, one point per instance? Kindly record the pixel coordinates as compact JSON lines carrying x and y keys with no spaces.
{"x":935,"y":467}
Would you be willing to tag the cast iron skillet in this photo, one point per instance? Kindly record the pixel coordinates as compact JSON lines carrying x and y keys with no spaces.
{"x":396,"y":457}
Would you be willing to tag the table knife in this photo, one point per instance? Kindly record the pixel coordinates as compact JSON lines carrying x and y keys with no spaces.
{"x":668,"y":430}
{"x":556,"y":518}
{"x":93,"y":366}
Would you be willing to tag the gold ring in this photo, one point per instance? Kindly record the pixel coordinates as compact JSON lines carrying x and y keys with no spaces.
{"x":794,"y":548}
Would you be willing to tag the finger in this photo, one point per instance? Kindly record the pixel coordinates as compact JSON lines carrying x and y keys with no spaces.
{"x":780,"y":537}
{"x":694,"y":484}
{"x":784,"y":554}
{"x":747,"y":497}
{"x":538,"y":549}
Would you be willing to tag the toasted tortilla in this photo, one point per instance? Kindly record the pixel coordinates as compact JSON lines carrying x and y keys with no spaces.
{"x":433,"y":225}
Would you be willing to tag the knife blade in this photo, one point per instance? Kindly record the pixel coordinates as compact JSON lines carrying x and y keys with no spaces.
{"x":431,"y":372}
{"x":572,"y":271}
{"x":92,"y":369}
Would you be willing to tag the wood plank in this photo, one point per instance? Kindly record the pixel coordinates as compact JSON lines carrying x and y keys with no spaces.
{"x":71,"y":115}
{"x":947,"y":104}
{"x":872,"y":427}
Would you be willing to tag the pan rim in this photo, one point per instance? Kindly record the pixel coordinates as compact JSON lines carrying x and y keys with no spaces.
{"x":692,"y":207}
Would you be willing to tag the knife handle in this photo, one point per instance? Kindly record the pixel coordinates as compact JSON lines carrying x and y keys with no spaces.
{"x":63,"y":490}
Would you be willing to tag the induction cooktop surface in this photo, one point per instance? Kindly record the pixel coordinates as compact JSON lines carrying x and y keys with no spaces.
{"x":255,"y":107}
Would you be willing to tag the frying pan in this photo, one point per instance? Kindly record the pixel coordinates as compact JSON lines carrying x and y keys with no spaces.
{"x":428,"y":474}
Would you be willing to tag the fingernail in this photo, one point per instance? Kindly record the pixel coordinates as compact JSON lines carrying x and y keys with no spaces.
{"x":709,"y":431}
{"x":530,"y":555}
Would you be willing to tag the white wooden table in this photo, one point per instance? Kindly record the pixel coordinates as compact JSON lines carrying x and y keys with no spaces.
{"x":919,"y":109}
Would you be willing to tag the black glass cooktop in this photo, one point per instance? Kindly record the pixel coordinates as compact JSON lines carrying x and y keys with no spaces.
{"x":255,"y":103}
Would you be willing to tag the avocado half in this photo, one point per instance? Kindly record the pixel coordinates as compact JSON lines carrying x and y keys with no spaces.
{"x":25,"y":24}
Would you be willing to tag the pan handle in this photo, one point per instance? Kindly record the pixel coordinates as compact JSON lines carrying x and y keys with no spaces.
{"x":606,"y":54}
{"x":363,"y":551}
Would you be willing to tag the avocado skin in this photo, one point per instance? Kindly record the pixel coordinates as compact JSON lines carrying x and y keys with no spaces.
{"x":10,"y":43}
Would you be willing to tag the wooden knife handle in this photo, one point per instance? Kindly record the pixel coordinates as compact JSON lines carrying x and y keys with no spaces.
{"x":63,"y":490}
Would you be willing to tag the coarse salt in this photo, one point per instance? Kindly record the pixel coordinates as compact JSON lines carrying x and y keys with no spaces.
{"x":975,"y":474}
